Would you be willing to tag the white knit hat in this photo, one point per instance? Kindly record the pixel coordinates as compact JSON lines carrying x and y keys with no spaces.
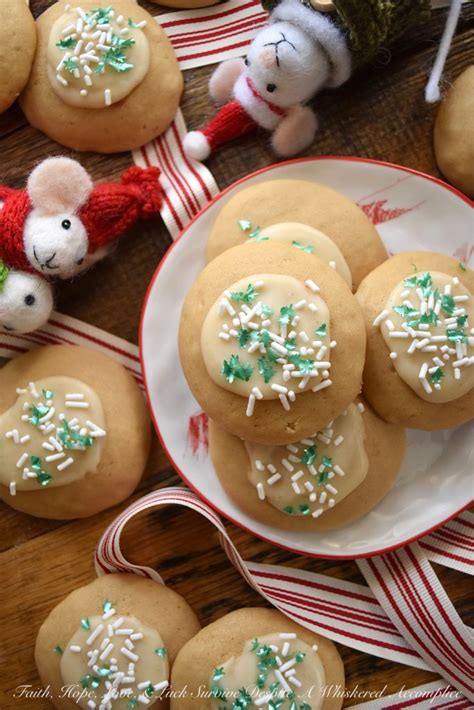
{"x":323,"y":32}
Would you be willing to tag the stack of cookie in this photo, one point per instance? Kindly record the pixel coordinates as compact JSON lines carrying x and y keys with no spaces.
{"x":277,"y":349}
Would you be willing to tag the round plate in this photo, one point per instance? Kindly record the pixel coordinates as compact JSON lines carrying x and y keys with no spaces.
{"x":412,"y":211}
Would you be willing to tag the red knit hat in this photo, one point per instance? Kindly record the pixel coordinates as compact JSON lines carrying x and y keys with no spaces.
{"x":113,"y":207}
{"x":110,"y":210}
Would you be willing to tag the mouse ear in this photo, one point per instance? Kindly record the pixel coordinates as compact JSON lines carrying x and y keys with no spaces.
{"x":59,"y":185}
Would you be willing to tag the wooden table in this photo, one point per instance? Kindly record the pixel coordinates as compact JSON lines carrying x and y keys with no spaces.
{"x":379,"y":114}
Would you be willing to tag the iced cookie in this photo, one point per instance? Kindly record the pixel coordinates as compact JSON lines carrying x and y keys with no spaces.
{"x":454,"y":134}
{"x":257,"y":658}
{"x":17,"y":49}
{"x":325,"y":481}
{"x":74,"y":432}
{"x":104,"y":78}
{"x":271,"y":342}
{"x":112,"y":644}
{"x":419,"y":370}
{"x":251,"y":210}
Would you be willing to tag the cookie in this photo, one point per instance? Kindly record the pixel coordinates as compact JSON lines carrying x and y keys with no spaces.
{"x":271,"y":342}
{"x":235,"y":660}
{"x":453,"y":134}
{"x":323,"y":482}
{"x":75,"y":432}
{"x":105,"y":78}
{"x":419,"y":369}
{"x":17,"y":50}
{"x":308,"y":203}
{"x":121,"y":631}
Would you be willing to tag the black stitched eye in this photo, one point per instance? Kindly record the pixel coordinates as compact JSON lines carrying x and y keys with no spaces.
{"x":66,"y":224}
{"x":271,"y":88}
{"x":80,"y":261}
{"x":30,"y":300}
{"x":246,"y":62}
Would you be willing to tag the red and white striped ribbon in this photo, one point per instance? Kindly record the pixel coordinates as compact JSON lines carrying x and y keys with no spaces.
{"x":453,"y":544}
{"x":187,"y":184}
{"x":64,"y":330}
{"x":407,"y":588}
{"x":431,"y":695}
{"x":212,"y":34}
{"x":345,"y":612}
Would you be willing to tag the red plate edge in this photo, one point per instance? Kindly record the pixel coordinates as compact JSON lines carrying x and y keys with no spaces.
{"x":221,"y":194}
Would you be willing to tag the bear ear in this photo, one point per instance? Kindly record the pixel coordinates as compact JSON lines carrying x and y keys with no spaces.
{"x":59,"y":185}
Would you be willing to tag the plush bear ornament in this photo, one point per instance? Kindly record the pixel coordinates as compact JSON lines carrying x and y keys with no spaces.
{"x":58,"y":227}
{"x":307,"y":46}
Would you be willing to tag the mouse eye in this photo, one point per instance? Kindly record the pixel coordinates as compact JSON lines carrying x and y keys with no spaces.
{"x":247,"y":62}
{"x":30,"y":300}
{"x":80,"y":261}
{"x":66,"y":224}
{"x":271,"y":88}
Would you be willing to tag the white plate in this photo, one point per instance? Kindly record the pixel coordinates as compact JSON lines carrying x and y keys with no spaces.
{"x":412,"y":211}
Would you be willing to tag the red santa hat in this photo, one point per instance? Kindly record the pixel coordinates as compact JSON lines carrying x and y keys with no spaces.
{"x":109,"y":211}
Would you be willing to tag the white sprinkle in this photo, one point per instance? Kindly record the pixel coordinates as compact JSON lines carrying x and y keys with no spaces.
{"x":322,"y":497}
{"x":381,"y":317}
{"x":260,"y":491}
{"x":338,"y":440}
{"x":22,"y":460}
{"x":389,"y":324}
{"x":273,"y":479}
{"x":61,"y":80}
{"x":292,"y":448}
{"x":322,"y":386}
{"x":77,"y":405}
{"x":397,"y":334}
{"x":289,"y":664}
{"x":106,"y":653}
{"x":312,"y":307}
{"x":12,"y":488}
{"x":137,"y":636}
{"x":126,"y":652}
{"x":315,"y":647}
{"x":293,"y":679}
{"x":457,"y":373}
{"x":143,"y":699}
{"x":360,"y":407}
{"x":317,"y":513}
{"x":259,"y":465}
{"x":287,"y":465}
{"x":312,"y":286}
{"x":55,"y":443}
{"x":333,"y":265}
{"x":279,"y":388}
{"x":75,"y":649}
{"x":74,"y":397}
{"x":55,"y":457}
{"x":309,"y":486}
{"x":337,"y":469}
{"x":284,"y":402}
{"x":300,"y":304}
{"x":331,"y":489}
{"x":460,"y":299}
{"x":161,"y":686}
{"x":250,"y":405}
{"x":296,"y":476}
{"x":65,"y":464}
{"x":97,"y":631}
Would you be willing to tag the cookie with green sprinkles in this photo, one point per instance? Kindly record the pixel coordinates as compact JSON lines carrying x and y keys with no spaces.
{"x":257,"y":657}
{"x":419,"y":316}
{"x":105,"y":77}
{"x":74,"y":432}
{"x":317,"y":206}
{"x":113,"y":642}
{"x":323,"y":482}
{"x":271,"y":342}
{"x":17,"y":50}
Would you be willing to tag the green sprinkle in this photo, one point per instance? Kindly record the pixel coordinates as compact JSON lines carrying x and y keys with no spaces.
{"x":247,"y":296}
{"x":67,"y":43}
{"x":265,"y":369}
{"x":70,"y":65}
{"x":275,"y":704}
{"x":425,"y":280}
{"x":261,"y":680}
{"x":436,"y":376}
{"x":257,"y":236}
{"x":290,"y":343}
{"x":462,"y":266}
{"x":305,"y":706}
{"x":287,"y":313}
{"x":323,"y":477}
{"x":300,"y":656}
{"x":85,"y":624}
{"x":43,"y":478}
{"x":254,"y":644}
{"x":37,"y":412}
{"x":4,"y":271}
{"x":99,"y":15}
{"x":405,"y":311}
{"x":245,"y":225}
{"x":234,"y":369}
{"x":264,"y":337}
{"x":410,"y":282}
{"x":293,"y":706}
{"x":107,"y":605}
{"x":72,"y":439}
{"x":462,"y":320}
{"x":243,"y":336}
{"x":149,"y":690}
{"x":274,"y":686}
{"x":132,"y":703}
{"x":161,"y":652}
{"x":322,"y":330}
{"x":47,"y":394}
{"x":309,"y":455}
{"x":307,"y":248}
{"x":267,"y":311}
{"x":133,"y":25}
{"x":288,"y":509}
{"x":326,"y":461}
{"x":218,"y":674}
{"x":304,"y":509}
{"x":305,"y":365}
{"x":448,"y":304}
{"x":89,"y":681}
{"x":457,"y":334}
{"x":58,"y":650}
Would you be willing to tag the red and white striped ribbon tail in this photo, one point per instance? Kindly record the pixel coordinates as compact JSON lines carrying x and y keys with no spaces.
{"x":406,"y":586}
{"x":187,"y":184}
{"x":432,"y":695}
{"x":453,"y":544}
{"x":212,"y":34}
{"x":345,"y":612}
{"x":64,"y":330}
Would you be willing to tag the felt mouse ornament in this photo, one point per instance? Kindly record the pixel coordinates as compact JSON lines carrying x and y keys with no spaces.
{"x":61,"y":224}
{"x":26,"y":301}
{"x":58,"y":227}
{"x":306,"y":46}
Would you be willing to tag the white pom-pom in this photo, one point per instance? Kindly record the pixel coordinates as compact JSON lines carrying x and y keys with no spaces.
{"x":26,"y":302}
{"x":196,"y":145}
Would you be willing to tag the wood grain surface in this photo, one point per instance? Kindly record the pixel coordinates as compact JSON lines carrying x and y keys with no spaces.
{"x":381,"y":114}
